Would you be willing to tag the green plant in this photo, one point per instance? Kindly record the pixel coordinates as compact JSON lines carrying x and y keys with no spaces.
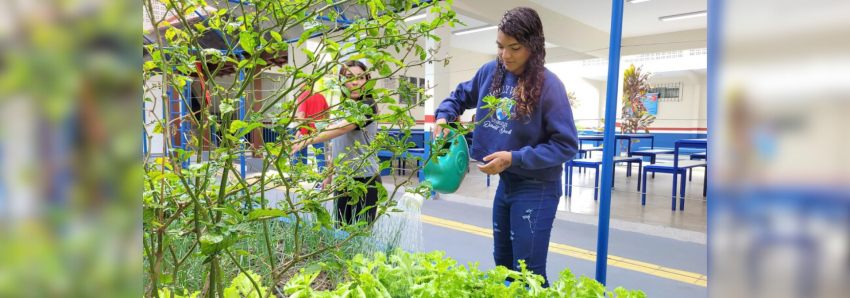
{"x":203,"y":221}
{"x":402,"y":274}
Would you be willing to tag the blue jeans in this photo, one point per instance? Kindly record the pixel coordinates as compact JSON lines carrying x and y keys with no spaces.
{"x":523,"y":213}
{"x":320,"y":158}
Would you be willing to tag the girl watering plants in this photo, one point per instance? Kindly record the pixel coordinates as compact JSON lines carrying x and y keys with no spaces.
{"x":525,"y":141}
{"x":343,"y":137}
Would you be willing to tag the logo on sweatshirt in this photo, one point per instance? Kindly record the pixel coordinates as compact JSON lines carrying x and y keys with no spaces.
{"x":505,"y":110}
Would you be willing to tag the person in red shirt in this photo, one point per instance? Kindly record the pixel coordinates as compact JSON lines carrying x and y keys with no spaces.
{"x":311,"y":106}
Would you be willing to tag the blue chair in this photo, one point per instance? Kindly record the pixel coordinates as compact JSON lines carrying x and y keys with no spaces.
{"x":596,"y":163}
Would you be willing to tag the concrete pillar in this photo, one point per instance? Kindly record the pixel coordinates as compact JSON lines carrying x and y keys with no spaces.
{"x":436,"y":74}
{"x":436,"y":80}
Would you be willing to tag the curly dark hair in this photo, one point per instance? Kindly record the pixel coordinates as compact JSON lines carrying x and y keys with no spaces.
{"x":523,"y":24}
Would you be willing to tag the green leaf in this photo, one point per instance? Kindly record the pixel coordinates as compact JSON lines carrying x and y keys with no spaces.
{"x":158,"y":128}
{"x":230,"y":211}
{"x":236,"y":125}
{"x":332,"y":45}
{"x":262,"y":213}
{"x":309,"y":53}
{"x":304,"y":37}
{"x":210,"y":238}
{"x":385,"y":71}
{"x":313,"y":269}
{"x":369,"y":85}
{"x":393,"y":60}
{"x":276,"y":36}
{"x":213,"y":242}
{"x":165,"y":278}
{"x":246,"y":40}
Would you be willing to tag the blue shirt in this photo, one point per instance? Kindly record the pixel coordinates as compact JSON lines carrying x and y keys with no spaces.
{"x":539,"y":144}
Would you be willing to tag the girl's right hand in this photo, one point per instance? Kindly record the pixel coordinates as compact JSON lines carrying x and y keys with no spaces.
{"x":437,"y":130}
{"x":327,"y":182}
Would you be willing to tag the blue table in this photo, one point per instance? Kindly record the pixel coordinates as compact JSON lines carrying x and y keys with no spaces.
{"x":636,"y":136}
{"x":596,"y":163}
{"x":598,"y":138}
{"x":687,"y":143}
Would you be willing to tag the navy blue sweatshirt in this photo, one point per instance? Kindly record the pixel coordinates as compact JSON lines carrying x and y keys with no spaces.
{"x":539,"y":144}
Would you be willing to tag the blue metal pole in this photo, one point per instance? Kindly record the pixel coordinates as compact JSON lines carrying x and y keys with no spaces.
{"x":713,"y":54}
{"x":184,"y":123}
{"x":324,"y":18}
{"x":242,"y":117}
{"x":608,"y":140}
{"x":339,"y":10}
{"x":144,"y":129}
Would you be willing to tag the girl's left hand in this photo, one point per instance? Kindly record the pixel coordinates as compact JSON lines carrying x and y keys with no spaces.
{"x":497,"y":162}
{"x":296,"y":148}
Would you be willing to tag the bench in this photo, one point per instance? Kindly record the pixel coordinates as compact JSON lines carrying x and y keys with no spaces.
{"x":653,"y":153}
{"x":596,"y":163}
{"x":696,"y":156}
{"x":684,"y":166}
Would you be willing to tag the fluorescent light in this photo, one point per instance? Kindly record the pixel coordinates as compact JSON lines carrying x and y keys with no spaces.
{"x":636,"y":1}
{"x":416,"y":17}
{"x":684,"y":16}
{"x":479,"y":29}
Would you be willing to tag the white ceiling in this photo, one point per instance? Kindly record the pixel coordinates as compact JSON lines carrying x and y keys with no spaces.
{"x":638,"y":18}
{"x":482,"y":42}
{"x":657,"y":74}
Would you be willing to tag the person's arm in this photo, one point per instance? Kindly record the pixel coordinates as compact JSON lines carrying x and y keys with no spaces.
{"x":463,"y":98}
{"x":336,"y":130}
{"x":563,"y":136}
{"x":331,"y":132}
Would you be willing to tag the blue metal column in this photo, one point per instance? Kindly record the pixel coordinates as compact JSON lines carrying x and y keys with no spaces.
{"x":242,"y":117}
{"x":144,"y":128}
{"x":185,"y":111}
{"x":608,"y":140}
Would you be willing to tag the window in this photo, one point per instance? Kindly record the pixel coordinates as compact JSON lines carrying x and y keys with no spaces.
{"x":667,"y":92}
{"x":415,"y":97}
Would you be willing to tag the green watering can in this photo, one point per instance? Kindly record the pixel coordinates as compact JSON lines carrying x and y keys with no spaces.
{"x":446,"y":172}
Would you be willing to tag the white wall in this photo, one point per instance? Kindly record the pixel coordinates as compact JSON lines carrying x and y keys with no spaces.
{"x":685,"y":113}
{"x":464,"y":65}
{"x":155,"y":146}
{"x":588,"y":92}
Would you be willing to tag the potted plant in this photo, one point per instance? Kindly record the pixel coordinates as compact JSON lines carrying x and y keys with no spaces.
{"x":634,"y":114}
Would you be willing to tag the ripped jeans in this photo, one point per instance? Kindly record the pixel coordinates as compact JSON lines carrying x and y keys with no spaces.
{"x":523,"y":212}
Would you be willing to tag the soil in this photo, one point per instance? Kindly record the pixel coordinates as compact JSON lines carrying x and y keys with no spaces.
{"x":321,"y":283}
